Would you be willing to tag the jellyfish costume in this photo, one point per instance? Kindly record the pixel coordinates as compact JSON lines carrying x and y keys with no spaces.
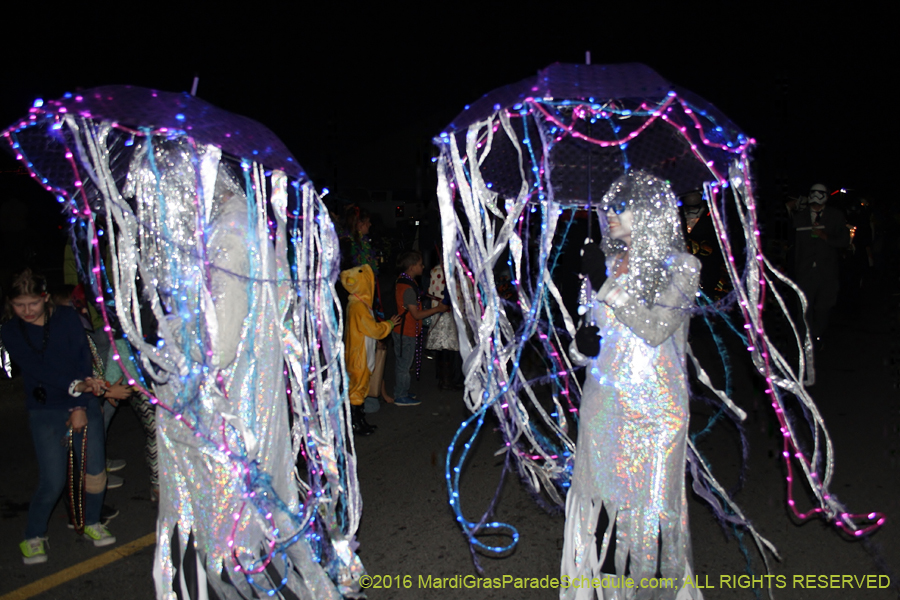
{"x":629,"y":463}
{"x":515,"y":168}
{"x":220,"y":276}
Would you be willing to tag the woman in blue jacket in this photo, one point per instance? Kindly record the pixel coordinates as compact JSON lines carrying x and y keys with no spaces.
{"x":51,"y":349}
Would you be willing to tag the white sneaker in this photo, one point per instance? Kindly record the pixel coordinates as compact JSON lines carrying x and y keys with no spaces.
{"x":114,"y":464}
{"x":100,"y":534}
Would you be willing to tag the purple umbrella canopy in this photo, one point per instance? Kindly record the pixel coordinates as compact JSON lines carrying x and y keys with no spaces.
{"x":602,"y":119}
{"x":43,"y":142}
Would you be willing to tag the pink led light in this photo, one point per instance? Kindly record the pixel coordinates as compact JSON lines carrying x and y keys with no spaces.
{"x":603,"y":143}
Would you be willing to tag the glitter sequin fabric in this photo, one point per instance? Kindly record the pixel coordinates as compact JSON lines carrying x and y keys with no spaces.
{"x":228,"y":338}
{"x":656,"y":219}
{"x":629,"y":468}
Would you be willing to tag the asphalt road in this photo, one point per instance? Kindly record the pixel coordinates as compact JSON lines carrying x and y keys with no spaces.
{"x":409,"y":529}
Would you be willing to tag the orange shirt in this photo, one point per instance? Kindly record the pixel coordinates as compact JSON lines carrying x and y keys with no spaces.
{"x":409,"y":325}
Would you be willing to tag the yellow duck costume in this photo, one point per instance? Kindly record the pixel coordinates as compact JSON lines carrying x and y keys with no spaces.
{"x":361,"y":330}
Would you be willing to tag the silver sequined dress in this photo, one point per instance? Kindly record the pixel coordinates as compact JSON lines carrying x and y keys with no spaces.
{"x":630,"y":457}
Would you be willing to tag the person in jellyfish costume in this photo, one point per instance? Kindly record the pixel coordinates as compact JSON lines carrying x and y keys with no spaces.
{"x":221,"y":277}
{"x":626,"y":510}
{"x":516,"y":168}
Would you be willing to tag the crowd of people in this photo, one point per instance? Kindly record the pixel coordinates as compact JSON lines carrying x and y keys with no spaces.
{"x":72,"y":385}
{"x":367,"y":333}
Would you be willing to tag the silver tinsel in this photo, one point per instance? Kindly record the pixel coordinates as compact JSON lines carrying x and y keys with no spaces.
{"x":656,"y":216}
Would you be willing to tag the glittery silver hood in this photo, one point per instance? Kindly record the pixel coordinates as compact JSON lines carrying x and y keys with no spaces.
{"x":656,"y":231}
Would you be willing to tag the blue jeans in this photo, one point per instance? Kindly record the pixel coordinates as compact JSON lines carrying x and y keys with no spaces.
{"x":109,"y":411}
{"x":404,"y":352}
{"x":48,"y":431}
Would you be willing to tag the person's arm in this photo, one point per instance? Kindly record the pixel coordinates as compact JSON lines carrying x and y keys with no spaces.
{"x":418,"y":315}
{"x":655,"y":325}
{"x":367,"y":323}
{"x":117,"y":391}
{"x":411,"y":305}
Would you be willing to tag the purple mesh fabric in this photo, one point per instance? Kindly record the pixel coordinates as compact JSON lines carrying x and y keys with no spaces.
{"x":582,"y":170}
{"x":568,"y":81}
{"x":136,"y":107}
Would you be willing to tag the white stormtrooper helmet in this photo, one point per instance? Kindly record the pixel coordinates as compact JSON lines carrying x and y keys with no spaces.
{"x":818,"y":194}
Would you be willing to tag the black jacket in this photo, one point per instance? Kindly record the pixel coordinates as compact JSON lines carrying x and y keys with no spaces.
{"x":814,"y":252}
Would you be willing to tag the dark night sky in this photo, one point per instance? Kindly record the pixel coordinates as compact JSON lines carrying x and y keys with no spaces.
{"x":358,"y":94}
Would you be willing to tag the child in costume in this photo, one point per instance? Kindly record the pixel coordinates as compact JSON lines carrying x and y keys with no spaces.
{"x":361,"y":331}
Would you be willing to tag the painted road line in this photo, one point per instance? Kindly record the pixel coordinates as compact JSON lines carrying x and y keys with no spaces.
{"x":42,"y":585}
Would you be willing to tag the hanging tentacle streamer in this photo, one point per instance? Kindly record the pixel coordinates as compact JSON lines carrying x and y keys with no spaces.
{"x":493,"y":364}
